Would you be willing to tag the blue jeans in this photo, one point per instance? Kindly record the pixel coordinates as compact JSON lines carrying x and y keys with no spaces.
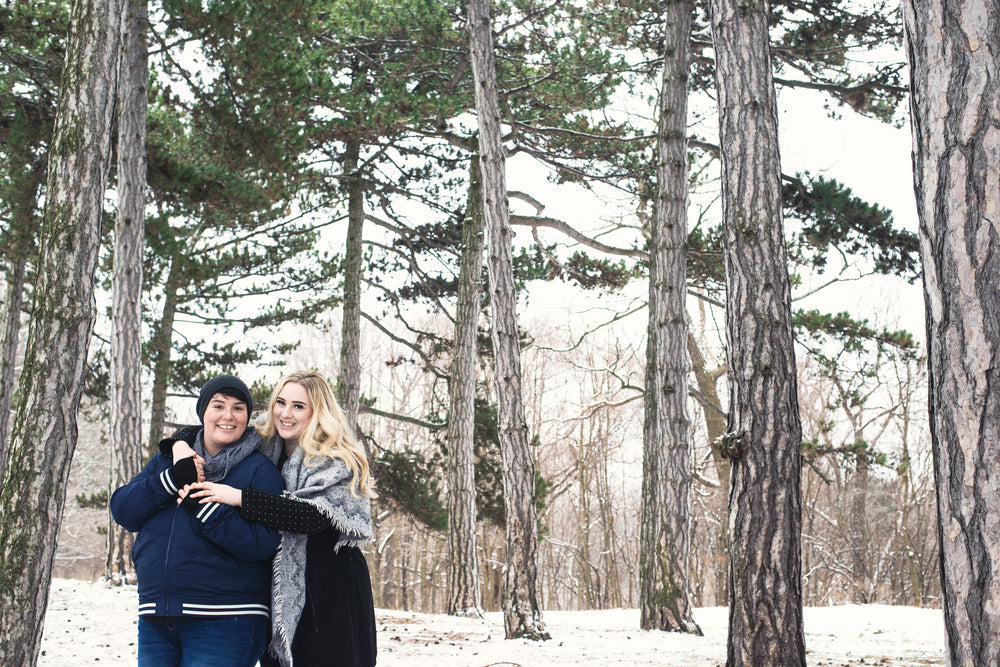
{"x":235,"y":641}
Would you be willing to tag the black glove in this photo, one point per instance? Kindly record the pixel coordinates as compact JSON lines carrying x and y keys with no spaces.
{"x":183,"y":472}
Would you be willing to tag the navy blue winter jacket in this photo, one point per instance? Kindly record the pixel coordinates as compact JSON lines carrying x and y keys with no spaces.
{"x":209,"y":565}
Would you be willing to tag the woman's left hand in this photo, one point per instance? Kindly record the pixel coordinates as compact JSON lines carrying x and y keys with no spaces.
{"x":212,"y":492}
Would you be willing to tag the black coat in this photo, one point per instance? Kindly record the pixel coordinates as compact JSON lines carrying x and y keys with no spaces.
{"x":337,"y":627}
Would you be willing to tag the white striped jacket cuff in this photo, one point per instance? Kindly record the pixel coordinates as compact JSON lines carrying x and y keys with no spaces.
{"x":168,"y":482}
{"x":206,"y":511}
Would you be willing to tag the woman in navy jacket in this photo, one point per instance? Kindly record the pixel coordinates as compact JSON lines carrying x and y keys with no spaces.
{"x":203,"y":571}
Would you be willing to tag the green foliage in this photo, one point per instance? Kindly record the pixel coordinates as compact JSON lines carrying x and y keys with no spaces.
{"x":853,"y":335}
{"x":593,"y":273}
{"x":833,"y":217}
{"x":96,"y":501}
{"x":414,"y":482}
{"x":705,"y":267}
{"x":848,"y":453}
{"x":816,"y":39}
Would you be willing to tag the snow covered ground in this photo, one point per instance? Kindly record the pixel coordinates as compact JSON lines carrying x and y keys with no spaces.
{"x":90,"y":622}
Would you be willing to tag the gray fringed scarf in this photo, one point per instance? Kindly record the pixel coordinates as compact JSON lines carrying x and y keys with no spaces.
{"x":218,"y":466}
{"x":326,"y":485}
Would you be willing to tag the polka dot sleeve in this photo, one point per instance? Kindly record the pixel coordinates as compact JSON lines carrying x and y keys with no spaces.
{"x":281,"y":513}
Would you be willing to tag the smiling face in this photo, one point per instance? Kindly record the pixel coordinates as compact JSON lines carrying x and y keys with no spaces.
{"x":226,"y":418}
{"x":291,"y":411}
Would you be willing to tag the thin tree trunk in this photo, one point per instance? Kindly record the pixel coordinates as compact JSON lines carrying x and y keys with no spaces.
{"x":8,"y":348}
{"x":160,"y":349}
{"x":126,"y":322}
{"x":44,"y":434}
{"x":521,"y":610}
{"x":665,"y":533}
{"x":715,"y":426}
{"x":464,"y":597}
{"x":715,"y":422}
{"x":765,"y":435}
{"x":350,"y":341}
{"x":858,"y":494}
{"x":954,"y":56}
{"x":586,"y":598}
{"x":23,"y":223}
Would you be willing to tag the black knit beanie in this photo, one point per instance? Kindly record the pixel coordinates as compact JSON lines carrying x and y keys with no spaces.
{"x":229,"y":385}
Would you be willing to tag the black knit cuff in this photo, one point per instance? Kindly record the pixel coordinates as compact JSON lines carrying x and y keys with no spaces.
{"x":188,"y":434}
{"x":191,"y":504}
{"x":255,"y":505}
{"x":198,"y":509}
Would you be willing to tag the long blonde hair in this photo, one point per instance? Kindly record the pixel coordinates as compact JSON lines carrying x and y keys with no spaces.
{"x":327,"y":433}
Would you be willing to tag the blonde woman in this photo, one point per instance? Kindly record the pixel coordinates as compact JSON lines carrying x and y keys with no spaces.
{"x":322,"y":611}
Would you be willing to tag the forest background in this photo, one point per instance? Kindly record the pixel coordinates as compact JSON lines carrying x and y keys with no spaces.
{"x":310,"y":164}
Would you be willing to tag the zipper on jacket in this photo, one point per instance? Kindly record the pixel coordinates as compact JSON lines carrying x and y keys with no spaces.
{"x":166,"y":564}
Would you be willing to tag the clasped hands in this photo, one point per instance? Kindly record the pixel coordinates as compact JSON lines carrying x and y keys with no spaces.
{"x":202,"y":491}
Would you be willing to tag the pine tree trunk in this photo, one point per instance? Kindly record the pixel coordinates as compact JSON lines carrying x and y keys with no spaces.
{"x":161,"y":347}
{"x":765,"y":434}
{"x":44,"y":432}
{"x":23,"y":226}
{"x":8,"y":350}
{"x":521,"y":609}
{"x":954,"y":56}
{"x":858,"y":494}
{"x":464,"y":596}
{"x":126,"y":321}
{"x":665,"y":532}
{"x":350,"y":342}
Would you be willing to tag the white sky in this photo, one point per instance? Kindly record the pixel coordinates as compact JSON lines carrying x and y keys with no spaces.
{"x":870,"y":157}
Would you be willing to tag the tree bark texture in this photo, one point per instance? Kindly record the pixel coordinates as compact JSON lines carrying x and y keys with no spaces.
{"x":160,"y":349}
{"x":350,"y":341}
{"x":765,"y":434}
{"x":23,"y":224}
{"x":8,"y":349}
{"x":954,"y":55}
{"x":464,"y":597}
{"x":44,"y":432}
{"x":715,"y":421}
{"x":126,"y":299}
{"x":665,"y":531}
{"x":521,"y":609}
{"x":715,"y":426}
{"x":858,"y":494}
